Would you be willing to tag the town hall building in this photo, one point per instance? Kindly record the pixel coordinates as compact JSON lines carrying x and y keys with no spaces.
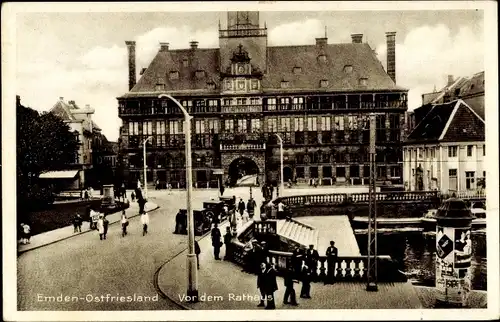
{"x":317,"y":98}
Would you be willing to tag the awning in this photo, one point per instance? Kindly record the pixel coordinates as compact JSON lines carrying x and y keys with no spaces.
{"x":64,"y":174}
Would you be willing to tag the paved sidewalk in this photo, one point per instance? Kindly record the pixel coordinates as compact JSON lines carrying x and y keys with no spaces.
{"x":231,"y":288}
{"x":56,"y":235}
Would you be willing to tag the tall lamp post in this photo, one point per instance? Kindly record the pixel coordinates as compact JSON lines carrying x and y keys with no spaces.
{"x":282,"y":185}
{"x":144,"y":157}
{"x":192,"y":291}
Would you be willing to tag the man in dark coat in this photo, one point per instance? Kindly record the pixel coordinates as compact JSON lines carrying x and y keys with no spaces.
{"x":178,"y":222}
{"x":270,"y":286}
{"x":290,"y":297}
{"x":305,"y":291}
{"x":331,"y":260}
{"x":261,"y":281}
{"x":311,"y":259}
{"x":197,"y":251}
{"x":251,"y":207}
{"x":241,"y":206}
{"x":296,"y":262}
{"x":216,"y":241}
{"x":105,"y":224}
{"x":227,"y":241}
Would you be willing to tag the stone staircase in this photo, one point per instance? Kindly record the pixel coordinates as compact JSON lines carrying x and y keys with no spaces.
{"x":297,"y":233}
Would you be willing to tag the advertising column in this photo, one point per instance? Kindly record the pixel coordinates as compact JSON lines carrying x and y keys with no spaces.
{"x":453,"y":253}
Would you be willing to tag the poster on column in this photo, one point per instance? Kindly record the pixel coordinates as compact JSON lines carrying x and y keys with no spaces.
{"x":445,"y":272}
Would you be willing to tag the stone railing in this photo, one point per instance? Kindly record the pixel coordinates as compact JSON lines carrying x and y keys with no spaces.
{"x":339,"y":198}
{"x":241,"y":109}
{"x":243,"y":146}
{"x":346,"y":268}
{"x":468,"y":194}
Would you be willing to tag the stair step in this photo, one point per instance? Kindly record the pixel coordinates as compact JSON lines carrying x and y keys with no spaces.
{"x":300,"y":234}
{"x":294,"y":231}
{"x":280,"y":226}
{"x":288,"y":229}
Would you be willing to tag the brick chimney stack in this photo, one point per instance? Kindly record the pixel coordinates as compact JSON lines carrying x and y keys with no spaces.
{"x":193,"y":44}
{"x":391,"y":54}
{"x":357,"y":38}
{"x":131,"y":63}
{"x":321,"y":41}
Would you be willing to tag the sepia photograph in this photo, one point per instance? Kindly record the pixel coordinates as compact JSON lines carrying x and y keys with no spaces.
{"x":250,"y":161}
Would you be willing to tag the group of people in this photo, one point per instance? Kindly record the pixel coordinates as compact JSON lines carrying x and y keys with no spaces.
{"x":218,"y":242}
{"x":267,"y":191}
{"x":246,"y":211}
{"x":86,"y":194}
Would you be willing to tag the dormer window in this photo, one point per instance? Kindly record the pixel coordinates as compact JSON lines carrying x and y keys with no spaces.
{"x":363,"y":81}
{"x":323,"y":83}
{"x":348,"y":69}
{"x":285,"y":84}
{"x":160,"y":87}
{"x":200,"y":74}
{"x":174,"y":74}
{"x":297,"y":70}
{"x":211,"y":85}
{"x":185,"y":62}
{"x":322,"y":58}
{"x":255,"y":84}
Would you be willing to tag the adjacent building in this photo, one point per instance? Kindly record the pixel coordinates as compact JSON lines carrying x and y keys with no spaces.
{"x":317,"y":98}
{"x":446,"y":149}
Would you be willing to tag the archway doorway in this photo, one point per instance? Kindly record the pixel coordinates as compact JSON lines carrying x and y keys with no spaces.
{"x":240,"y":168}
{"x":287,"y":174}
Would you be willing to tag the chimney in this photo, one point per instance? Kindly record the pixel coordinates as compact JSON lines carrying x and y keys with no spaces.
{"x":450,"y":80}
{"x":357,"y":38}
{"x":61,"y":98}
{"x":321,"y":41}
{"x":164,"y":46}
{"x":391,"y":54}
{"x":193,"y":44}
{"x":131,"y":63}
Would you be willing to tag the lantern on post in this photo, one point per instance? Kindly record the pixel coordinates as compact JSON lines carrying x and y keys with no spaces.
{"x":453,"y":253}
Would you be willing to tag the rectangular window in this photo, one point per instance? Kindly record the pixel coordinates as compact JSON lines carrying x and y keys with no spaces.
{"x":452,"y":172}
{"x":340,"y":171}
{"x":433,"y":153}
{"x":299,"y":124}
{"x":470,"y":180}
{"x":298,"y":103}
{"x":339,"y":123}
{"x":326,"y":123}
{"x":452,"y":151}
{"x":229,"y":125}
{"x":213,"y":126}
{"x":285,"y":124}
{"x":175,"y":127}
{"x":241,"y":101}
{"x":160,"y":127}
{"x":228,"y":101}
{"x":147,"y":128}
{"x":271,"y":104}
{"x":254,"y":101}
{"x":242,"y":125}
{"x":469,"y":150}
{"x":130,"y":128}
{"x":312,"y":124}
{"x":300,"y":172}
{"x":200,"y":126}
{"x":255,"y":124}
{"x":353,"y":122}
{"x":272,"y":125}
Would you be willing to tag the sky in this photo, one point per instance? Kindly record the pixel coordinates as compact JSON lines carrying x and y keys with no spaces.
{"x":82,"y":56}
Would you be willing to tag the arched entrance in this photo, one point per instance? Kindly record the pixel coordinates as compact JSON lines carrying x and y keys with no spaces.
{"x":241,"y":167}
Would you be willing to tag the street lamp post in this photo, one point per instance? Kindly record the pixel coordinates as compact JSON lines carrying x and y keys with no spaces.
{"x":192,"y":291}
{"x":282,"y":185}
{"x":144,"y":157}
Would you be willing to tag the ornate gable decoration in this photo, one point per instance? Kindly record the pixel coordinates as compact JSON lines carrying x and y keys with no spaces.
{"x":240,"y":56}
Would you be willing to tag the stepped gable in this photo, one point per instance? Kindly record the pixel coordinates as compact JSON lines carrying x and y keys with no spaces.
{"x":282,"y":60}
{"x":281,"y":64}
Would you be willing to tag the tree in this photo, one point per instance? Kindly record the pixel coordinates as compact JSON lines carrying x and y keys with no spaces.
{"x":44,"y":142}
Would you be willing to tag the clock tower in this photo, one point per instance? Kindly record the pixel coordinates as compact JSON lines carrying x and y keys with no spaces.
{"x":243,"y":30}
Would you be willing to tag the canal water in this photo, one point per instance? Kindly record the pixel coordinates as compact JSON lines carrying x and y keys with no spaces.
{"x":414,"y":253}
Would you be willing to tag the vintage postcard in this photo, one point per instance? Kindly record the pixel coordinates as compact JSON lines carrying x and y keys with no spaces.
{"x":250,"y":161}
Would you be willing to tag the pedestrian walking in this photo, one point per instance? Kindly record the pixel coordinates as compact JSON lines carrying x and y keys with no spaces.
{"x":75,"y":224}
{"x":331,"y":260}
{"x":270,"y":286}
{"x":216,"y":241}
{"x":251,"y":204}
{"x":132,"y":195}
{"x":144,"y":222}
{"x":241,"y":206}
{"x":26,"y":234}
{"x":305,"y":291}
{"x":245,"y":217}
{"x":197,"y":251}
{"x":297,"y":259}
{"x":311,"y":260}
{"x":82,"y":194}
{"x":100,"y":227}
{"x":290,"y":297}
{"x":80,"y":222}
{"x":124,"y":222}
{"x":105,"y":224}
{"x":227,"y":241}
{"x":178,"y":223}
{"x":261,"y":276}
{"x":141,"y":201}
{"x":281,"y":210}
{"x":86,"y":194}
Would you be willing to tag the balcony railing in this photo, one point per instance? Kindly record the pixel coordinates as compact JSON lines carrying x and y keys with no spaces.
{"x":242,"y":146}
{"x":241,"y":108}
{"x":243,"y":32}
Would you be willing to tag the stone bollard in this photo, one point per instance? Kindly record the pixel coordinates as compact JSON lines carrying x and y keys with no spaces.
{"x":453,"y":253}
{"x":108,"y":195}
